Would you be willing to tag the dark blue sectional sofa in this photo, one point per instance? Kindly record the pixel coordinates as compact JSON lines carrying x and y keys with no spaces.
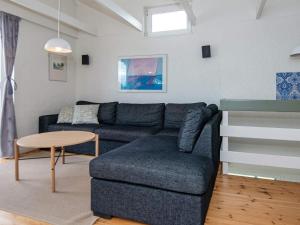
{"x":141,"y":174}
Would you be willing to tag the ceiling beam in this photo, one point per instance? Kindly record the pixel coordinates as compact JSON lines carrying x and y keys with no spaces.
{"x":34,"y":18}
{"x":260,"y":8}
{"x":187,"y":6}
{"x":122,"y":13}
{"x":45,"y":10}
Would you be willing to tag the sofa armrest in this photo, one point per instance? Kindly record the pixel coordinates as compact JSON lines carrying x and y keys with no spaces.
{"x":45,"y":121}
{"x":209,"y":142}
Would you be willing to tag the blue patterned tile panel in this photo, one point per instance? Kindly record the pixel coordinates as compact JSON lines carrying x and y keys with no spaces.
{"x":288,"y":86}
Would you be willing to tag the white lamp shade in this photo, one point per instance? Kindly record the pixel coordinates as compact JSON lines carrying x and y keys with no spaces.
{"x":296,"y":52}
{"x":58,"y":45}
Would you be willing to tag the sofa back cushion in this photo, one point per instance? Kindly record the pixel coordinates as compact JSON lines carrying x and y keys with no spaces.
{"x":140,"y":114}
{"x":106,"y":113}
{"x":191,"y":128}
{"x":175,"y":113}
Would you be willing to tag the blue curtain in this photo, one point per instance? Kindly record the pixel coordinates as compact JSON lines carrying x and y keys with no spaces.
{"x":9,"y":29}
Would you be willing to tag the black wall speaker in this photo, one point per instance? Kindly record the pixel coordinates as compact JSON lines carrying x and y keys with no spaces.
{"x":85,"y":60}
{"x":206,"y":51}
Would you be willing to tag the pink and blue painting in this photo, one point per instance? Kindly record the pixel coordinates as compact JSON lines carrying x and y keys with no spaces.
{"x":142,"y":73}
{"x":288,"y":86}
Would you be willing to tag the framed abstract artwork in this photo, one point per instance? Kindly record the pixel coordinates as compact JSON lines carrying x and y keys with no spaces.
{"x":57,"y":67}
{"x":142,"y":73}
{"x":288,"y":86}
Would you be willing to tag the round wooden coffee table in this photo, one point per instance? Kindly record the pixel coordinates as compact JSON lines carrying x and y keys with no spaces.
{"x":53,"y":140}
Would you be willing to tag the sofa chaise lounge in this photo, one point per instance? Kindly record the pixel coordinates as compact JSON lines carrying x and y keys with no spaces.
{"x":141,"y":174}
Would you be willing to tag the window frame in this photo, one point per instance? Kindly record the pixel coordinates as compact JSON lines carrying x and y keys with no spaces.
{"x":149,"y":11}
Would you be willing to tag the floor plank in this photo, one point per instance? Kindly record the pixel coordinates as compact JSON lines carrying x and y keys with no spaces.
{"x":13,"y":219}
{"x":236,"y":201}
{"x":260,"y":190}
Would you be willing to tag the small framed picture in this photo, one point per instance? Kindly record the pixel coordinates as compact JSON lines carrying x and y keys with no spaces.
{"x":142,"y":73}
{"x":57,"y":67}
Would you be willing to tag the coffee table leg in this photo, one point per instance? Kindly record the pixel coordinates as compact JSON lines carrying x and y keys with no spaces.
{"x":97,"y":151}
{"x":53,"y":168}
{"x":16,"y":148}
{"x":63,"y":154}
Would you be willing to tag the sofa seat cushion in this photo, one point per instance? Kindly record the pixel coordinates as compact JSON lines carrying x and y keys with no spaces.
{"x":169,"y":132}
{"x":124,"y":133}
{"x":68,"y":126}
{"x":155,"y":161}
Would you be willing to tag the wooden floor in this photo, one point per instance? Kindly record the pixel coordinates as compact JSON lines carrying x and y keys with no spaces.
{"x":236,"y":201}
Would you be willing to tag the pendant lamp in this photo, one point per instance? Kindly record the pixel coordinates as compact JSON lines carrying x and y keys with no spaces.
{"x":58,"y":45}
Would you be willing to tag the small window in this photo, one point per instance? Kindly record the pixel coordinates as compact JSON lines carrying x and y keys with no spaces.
{"x":166,"y":20}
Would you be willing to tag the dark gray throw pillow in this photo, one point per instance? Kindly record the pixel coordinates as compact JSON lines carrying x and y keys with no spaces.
{"x":213,"y":109}
{"x":175,"y":113}
{"x":191,"y":127}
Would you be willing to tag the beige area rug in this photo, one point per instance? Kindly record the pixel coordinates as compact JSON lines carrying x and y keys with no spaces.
{"x":32,"y":196}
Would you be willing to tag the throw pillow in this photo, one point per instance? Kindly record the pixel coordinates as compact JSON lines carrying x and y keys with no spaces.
{"x":66,"y":115}
{"x":192,"y":126}
{"x":106,"y":112}
{"x":175,"y":113}
{"x":213,"y":109}
{"x":85,"y":114}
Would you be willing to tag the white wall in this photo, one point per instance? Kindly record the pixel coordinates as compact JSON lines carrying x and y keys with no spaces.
{"x":246,"y":52}
{"x":246,"y":55}
{"x":36,"y":95}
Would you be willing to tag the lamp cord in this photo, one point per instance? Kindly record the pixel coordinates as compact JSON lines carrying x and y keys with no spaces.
{"x":58,"y":20}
